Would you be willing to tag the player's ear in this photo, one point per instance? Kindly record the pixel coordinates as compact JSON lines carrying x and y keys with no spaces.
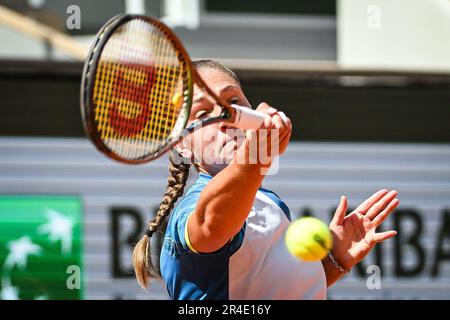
{"x":184,"y":152}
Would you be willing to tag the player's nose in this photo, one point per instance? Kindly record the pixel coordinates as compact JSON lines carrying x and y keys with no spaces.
{"x":224,"y":126}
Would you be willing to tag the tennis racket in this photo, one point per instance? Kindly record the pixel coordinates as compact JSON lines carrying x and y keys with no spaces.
{"x":136,"y":91}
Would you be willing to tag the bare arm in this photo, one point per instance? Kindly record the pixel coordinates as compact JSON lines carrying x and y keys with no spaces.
{"x":226,"y":201}
{"x":223,"y":206}
{"x":331,"y":272}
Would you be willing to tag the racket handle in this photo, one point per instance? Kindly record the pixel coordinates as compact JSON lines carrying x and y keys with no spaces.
{"x":247,"y":118}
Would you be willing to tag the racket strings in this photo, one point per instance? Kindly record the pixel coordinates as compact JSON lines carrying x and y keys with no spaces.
{"x":138,"y":90}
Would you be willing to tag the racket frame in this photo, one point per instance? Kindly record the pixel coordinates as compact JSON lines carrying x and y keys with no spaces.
{"x":228,"y":113}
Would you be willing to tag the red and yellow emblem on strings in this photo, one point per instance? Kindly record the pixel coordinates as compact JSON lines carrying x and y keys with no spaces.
{"x":136,"y":101}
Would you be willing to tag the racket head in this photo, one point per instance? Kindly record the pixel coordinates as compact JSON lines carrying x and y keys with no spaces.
{"x":136,"y":90}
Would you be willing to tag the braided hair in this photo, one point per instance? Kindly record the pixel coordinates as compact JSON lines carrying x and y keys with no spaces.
{"x":142,"y":262}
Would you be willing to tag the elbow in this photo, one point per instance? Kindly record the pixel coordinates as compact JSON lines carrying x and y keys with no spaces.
{"x":213,"y":227}
{"x":212,"y":231}
{"x":216,"y":229}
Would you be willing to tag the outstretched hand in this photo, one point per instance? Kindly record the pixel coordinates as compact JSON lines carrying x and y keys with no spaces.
{"x":354,"y":235}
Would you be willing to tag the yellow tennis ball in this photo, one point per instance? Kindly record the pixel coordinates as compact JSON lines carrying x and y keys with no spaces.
{"x":308,"y":239}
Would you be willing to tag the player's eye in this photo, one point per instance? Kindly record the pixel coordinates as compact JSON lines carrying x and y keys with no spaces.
{"x":234,"y":100}
{"x":201,"y":114}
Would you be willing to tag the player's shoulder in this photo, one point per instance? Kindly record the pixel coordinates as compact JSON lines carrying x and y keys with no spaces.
{"x":193,"y":192}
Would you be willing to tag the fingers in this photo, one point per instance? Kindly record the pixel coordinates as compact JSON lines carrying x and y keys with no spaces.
{"x":285,"y":119}
{"x":283,"y":116}
{"x":363,"y":207}
{"x":279,"y":121}
{"x":264,"y":107}
{"x":274,"y":113}
{"x":385,"y":213}
{"x":267,"y":109}
{"x":378,"y":237}
{"x":381,"y":204}
{"x":284,"y":130}
{"x":284,"y":142}
{"x":339,"y":215}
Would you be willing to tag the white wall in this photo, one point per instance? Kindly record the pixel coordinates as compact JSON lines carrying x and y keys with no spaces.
{"x":394,"y":34}
{"x":312,"y":177}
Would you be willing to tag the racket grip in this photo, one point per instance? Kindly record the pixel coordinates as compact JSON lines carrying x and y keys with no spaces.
{"x":247,"y":118}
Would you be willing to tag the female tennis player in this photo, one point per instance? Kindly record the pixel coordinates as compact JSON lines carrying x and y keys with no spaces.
{"x":225,"y":238}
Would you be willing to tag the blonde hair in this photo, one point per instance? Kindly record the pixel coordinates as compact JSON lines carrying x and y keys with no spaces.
{"x":142,"y":260}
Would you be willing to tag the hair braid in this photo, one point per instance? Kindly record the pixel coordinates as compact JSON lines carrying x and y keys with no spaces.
{"x":142,"y":262}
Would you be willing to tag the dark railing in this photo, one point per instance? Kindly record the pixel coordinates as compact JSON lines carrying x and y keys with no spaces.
{"x":42,"y":99}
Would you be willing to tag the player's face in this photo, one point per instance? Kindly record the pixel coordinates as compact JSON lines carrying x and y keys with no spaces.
{"x":214,"y":146}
